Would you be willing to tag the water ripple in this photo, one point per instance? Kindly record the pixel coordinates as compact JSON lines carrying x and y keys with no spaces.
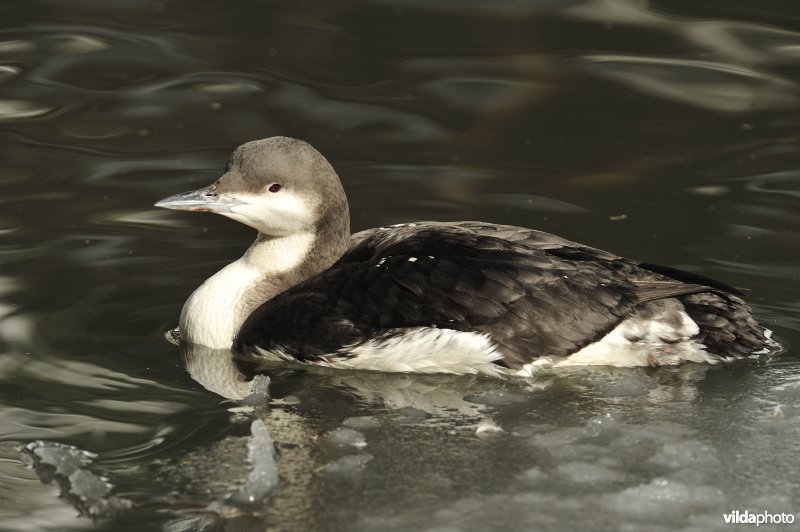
{"x":11,"y":110}
{"x":715,"y":86}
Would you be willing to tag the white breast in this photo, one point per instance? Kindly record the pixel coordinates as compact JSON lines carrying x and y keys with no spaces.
{"x":209,"y":316}
{"x":214,"y":313}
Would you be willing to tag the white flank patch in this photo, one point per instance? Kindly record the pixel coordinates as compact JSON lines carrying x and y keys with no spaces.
{"x":636,"y":342}
{"x":426,"y":350}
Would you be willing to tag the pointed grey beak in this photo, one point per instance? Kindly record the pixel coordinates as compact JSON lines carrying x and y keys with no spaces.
{"x":201,"y":200}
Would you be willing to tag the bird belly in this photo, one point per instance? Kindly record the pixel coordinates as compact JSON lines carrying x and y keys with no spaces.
{"x":413,"y":350}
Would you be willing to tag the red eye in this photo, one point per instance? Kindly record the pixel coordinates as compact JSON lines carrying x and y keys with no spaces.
{"x":274,"y":187}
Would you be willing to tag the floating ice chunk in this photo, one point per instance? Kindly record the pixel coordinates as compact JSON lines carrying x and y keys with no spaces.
{"x":626,"y":385}
{"x":362,"y":422}
{"x":68,"y":465}
{"x":641,"y":442}
{"x":412,"y":413}
{"x":586,"y":473}
{"x":352,"y":463}
{"x":663,"y":499}
{"x":789,"y":390}
{"x":603,"y":427}
{"x":64,"y":459}
{"x":495,"y":397}
{"x":261,"y":386}
{"x":291,"y":400}
{"x":487,"y":427}
{"x":558,"y":437}
{"x":686,"y":454}
{"x":346,"y":437}
{"x":259,"y":391}
{"x":263,"y":475}
{"x":257,"y":401}
{"x":89,"y":487}
{"x":534,"y":476}
{"x":584,"y":452}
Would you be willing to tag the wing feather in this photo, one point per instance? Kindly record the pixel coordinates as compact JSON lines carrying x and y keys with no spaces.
{"x":535,"y":294}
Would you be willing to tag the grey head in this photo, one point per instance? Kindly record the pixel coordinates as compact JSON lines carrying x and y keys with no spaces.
{"x":279,"y":186}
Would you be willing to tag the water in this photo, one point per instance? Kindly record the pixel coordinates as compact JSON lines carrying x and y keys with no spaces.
{"x":665,"y":131}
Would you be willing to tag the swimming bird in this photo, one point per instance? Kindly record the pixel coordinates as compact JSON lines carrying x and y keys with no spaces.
{"x":435,"y":297}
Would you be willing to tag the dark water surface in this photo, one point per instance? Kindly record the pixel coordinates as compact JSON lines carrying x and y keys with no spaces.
{"x":665,"y":131}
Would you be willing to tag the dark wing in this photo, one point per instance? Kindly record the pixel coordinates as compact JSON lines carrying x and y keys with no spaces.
{"x":530,"y":238}
{"x":727,"y":327}
{"x":532,"y":301}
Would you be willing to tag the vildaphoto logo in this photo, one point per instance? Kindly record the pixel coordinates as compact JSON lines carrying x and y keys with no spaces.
{"x":762,"y":518}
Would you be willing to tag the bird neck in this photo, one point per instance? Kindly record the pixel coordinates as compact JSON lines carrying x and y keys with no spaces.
{"x":214,"y":313}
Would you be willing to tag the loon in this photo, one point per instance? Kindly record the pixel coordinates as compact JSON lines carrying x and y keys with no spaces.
{"x":434,"y":297}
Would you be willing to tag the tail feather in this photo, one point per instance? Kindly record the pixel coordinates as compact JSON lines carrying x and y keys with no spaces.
{"x":727,"y":327}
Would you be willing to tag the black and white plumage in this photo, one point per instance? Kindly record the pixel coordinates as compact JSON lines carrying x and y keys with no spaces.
{"x":459,"y":297}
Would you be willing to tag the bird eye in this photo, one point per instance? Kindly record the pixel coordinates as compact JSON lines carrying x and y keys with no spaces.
{"x":274,"y":187}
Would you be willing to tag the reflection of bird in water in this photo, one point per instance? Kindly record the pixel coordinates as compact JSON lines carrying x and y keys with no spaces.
{"x":399,"y":403}
{"x":297,"y":436}
{"x":442,"y":397}
{"x":460,"y":297}
{"x":217,"y":371}
{"x":224,"y":464}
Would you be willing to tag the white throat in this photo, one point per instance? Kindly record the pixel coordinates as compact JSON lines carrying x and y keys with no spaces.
{"x":214,"y":313}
